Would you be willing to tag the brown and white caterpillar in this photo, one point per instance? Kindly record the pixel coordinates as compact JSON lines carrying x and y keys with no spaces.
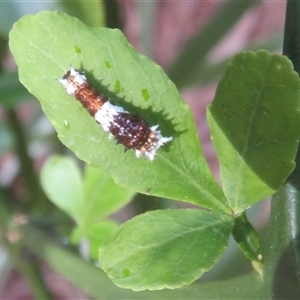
{"x":128,"y":129}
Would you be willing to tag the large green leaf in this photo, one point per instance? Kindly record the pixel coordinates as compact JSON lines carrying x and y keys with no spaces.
{"x":97,"y":285}
{"x":165,"y":248}
{"x":44,"y":47}
{"x":255,"y":124}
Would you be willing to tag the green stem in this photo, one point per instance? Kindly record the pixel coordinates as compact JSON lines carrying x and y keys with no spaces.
{"x":113,"y":14}
{"x":282,"y":256}
{"x":29,"y":175}
{"x":24,"y":261}
{"x":291,"y":43}
{"x":291,"y":48}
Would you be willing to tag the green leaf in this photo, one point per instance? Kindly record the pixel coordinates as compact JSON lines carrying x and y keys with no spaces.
{"x":44,"y":53}
{"x":102,"y":196}
{"x":62,"y":182}
{"x":247,"y":238}
{"x":255,"y":125}
{"x":88,"y":200}
{"x":97,"y":285}
{"x":165,"y":248}
{"x":96,"y":234}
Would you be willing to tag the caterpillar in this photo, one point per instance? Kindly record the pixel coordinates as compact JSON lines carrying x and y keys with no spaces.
{"x":128,"y":129}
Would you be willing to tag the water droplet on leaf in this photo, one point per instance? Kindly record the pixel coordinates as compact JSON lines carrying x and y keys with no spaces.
{"x":66,"y":125}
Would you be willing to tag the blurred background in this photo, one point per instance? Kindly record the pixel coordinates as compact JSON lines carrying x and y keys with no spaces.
{"x":191,"y":40}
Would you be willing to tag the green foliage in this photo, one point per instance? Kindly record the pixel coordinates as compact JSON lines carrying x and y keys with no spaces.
{"x":61,"y":180}
{"x":96,"y":283}
{"x":98,"y":184}
{"x":254,"y":121}
{"x":165,"y":248}
{"x":181,"y":163}
{"x":89,"y":201}
{"x":96,"y":234}
{"x":255,"y":124}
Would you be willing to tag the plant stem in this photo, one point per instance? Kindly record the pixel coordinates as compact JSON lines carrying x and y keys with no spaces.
{"x":291,"y":43}
{"x":282,"y":257}
{"x":32,"y":184}
{"x":113,"y":14}
{"x":291,"y":48}
{"x":26,"y":264}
